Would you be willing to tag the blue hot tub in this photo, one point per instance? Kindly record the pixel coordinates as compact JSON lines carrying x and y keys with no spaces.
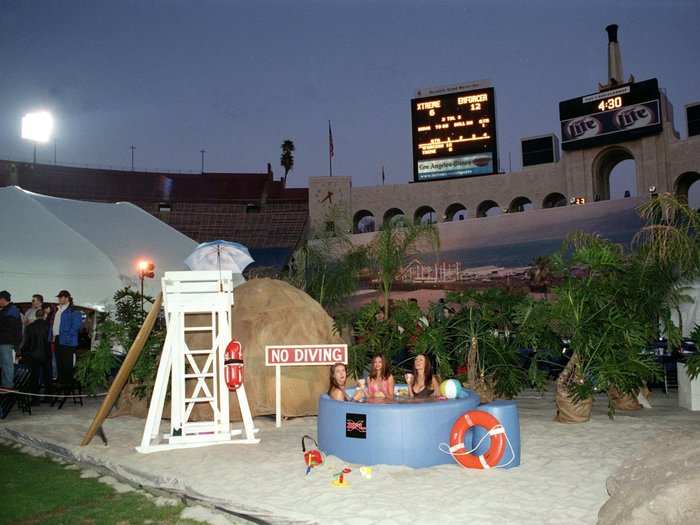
{"x":398,"y":433}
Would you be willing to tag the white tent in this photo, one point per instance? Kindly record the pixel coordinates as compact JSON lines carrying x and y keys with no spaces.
{"x":49,"y":244}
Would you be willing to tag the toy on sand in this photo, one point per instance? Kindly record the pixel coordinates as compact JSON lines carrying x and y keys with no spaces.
{"x":340,"y":481}
{"x":313,"y":456}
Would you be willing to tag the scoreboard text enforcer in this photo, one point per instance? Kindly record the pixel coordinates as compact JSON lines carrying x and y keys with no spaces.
{"x":454,"y":135}
{"x":624,"y":113}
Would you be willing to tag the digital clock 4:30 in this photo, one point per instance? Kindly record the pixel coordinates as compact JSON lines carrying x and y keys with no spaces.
{"x":610,"y":103}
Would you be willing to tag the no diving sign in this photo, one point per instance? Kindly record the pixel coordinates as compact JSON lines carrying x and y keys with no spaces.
{"x":291,"y":355}
{"x":300,"y":355}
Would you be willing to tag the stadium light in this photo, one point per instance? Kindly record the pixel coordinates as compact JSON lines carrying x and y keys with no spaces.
{"x":146,"y":270}
{"x":37,"y":127}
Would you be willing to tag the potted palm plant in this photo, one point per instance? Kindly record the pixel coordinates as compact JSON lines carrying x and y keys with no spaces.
{"x":669,"y":249}
{"x":592,"y":311}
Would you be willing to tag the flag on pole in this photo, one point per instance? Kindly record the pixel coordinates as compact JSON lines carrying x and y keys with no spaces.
{"x":383,"y":176}
{"x":330,"y":140}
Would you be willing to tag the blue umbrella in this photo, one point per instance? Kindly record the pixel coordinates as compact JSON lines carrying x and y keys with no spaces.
{"x":219,"y":255}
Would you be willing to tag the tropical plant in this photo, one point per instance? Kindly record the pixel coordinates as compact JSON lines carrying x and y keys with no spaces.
{"x":399,"y":338}
{"x":668,"y":249}
{"x":373,"y":335}
{"x":287,"y":157}
{"x":669,"y":238}
{"x":328,"y":265}
{"x":395,"y":241}
{"x":485,"y":332}
{"x":436,"y":340}
{"x":117,"y":329}
{"x":592,"y":310}
{"x":94,"y":368}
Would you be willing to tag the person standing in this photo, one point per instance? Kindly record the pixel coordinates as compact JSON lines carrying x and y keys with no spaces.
{"x":35,"y":351}
{"x":65,"y":328}
{"x":30,"y":314}
{"x":10,"y":338}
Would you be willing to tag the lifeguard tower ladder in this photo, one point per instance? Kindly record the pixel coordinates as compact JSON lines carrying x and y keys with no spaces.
{"x":196,"y":292}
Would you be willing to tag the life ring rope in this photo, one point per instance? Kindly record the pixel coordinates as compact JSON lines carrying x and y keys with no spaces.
{"x":454,"y":451}
{"x":457,"y":450}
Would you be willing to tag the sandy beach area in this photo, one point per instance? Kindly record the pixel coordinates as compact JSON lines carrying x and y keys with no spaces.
{"x":561,"y":479}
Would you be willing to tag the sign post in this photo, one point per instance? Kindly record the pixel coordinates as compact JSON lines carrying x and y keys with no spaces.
{"x":300,"y":355}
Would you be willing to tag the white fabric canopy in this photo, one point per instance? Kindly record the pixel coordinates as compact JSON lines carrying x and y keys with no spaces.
{"x":91,"y":249}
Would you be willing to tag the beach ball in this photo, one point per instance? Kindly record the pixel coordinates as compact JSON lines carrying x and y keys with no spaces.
{"x":450,"y":388}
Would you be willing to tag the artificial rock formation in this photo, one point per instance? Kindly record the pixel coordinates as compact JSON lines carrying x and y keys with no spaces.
{"x":272,"y":312}
{"x":658,"y":486}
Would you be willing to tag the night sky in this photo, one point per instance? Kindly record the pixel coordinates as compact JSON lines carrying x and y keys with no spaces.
{"x":237,"y":78}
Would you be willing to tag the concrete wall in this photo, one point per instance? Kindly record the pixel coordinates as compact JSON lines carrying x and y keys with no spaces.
{"x":663,"y":161}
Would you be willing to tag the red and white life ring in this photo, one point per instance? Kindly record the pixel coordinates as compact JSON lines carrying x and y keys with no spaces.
{"x":233,"y":365}
{"x":495,"y":430}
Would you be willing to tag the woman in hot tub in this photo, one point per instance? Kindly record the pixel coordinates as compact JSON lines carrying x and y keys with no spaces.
{"x":381,"y":383}
{"x":422,"y":384}
{"x":338,"y":379}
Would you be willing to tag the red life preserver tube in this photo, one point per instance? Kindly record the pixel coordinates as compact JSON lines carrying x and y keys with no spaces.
{"x":496,"y":431}
{"x":233,"y":365}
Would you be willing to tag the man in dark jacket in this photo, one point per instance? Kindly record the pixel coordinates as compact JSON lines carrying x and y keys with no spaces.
{"x":10,"y":337}
{"x":35,"y":351}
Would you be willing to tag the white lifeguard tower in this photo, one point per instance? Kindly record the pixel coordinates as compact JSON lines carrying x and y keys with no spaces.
{"x":200,"y":369}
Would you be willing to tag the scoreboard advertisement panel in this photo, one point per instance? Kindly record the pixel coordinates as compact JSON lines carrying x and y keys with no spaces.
{"x":454,"y":135}
{"x":623,"y":113}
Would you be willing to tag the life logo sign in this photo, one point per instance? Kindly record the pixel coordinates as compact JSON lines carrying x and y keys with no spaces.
{"x":634,"y":117}
{"x":582,"y":128}
{"x":356,"y":425}
{"x":300,"y":355}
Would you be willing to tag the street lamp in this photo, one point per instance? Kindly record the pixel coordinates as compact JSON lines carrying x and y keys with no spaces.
{"x":37,"y":127}
{"x":146,"y":270}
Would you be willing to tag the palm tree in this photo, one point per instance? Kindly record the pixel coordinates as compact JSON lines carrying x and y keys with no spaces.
{"x":669,"y":238}
{"x":669,"y":249}
{"x":668,"y":246}
{"x":328,"y":266}
{"x":287,"y":157}
{"x":396,"y":240}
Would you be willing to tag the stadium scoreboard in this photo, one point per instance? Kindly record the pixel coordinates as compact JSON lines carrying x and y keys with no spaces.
{"x":454,"y":135}
{"x":614,"y":115}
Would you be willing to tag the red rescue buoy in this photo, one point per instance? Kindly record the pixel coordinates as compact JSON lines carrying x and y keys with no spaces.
{"x":496,"y":432}
{"x":233,"y":365}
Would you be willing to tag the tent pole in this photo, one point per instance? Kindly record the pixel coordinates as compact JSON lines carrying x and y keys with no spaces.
{"x":124,"y":371}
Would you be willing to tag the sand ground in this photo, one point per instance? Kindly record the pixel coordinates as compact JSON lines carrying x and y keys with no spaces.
{"x":561,"y":479}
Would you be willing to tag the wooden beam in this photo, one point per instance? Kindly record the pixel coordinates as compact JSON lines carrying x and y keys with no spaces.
{"x":123,"y":375}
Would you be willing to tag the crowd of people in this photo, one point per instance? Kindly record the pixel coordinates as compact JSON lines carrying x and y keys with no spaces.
{"x":44,"y":338}
{"x":379,"y":384}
